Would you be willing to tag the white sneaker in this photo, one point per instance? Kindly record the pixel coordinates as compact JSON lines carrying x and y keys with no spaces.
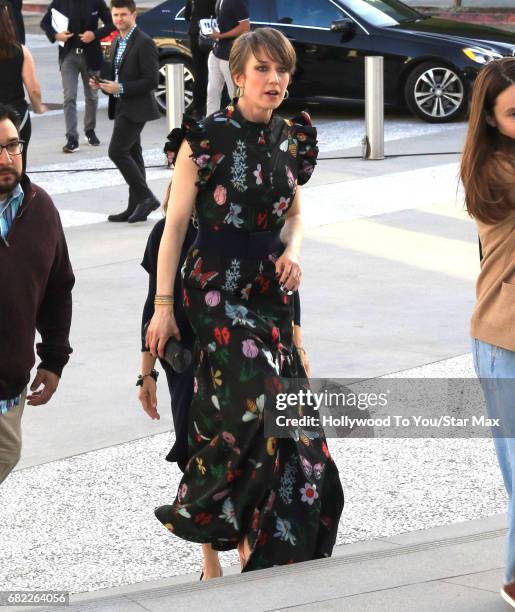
{"x":508,"y":594}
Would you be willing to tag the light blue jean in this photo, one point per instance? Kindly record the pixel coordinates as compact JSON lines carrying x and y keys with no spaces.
{"x":494,"y":365}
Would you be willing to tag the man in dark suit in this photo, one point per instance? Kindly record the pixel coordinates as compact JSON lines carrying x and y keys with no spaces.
{"x":80,"y":55}
{"x":134,"y":78}
{"x":15,"y":8}
{"x":195,"y":11}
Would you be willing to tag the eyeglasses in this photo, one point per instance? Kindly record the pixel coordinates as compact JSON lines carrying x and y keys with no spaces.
{"x":13,"y":148}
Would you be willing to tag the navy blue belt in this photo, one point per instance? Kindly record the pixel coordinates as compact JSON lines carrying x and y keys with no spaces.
{"x":228,"y":242}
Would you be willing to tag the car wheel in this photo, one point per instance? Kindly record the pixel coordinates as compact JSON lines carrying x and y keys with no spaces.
{"x":436,"y":93}
{"x":160,"y":93}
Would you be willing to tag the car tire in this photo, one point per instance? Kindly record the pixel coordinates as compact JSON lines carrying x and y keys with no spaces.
{"x":436,"y":93}
{"x":189,"y":79}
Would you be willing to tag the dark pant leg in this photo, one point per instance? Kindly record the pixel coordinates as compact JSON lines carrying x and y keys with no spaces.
{"x":136,"y":153}
{"x":181,"y":392}
{"x":200,"y":72}
{"x":125,"y":152}
{"x":25,"y":134}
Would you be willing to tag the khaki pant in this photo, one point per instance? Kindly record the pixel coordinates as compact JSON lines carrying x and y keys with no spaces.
{"x":10,"y":438}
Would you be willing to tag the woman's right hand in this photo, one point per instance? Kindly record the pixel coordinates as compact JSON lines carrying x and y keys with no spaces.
{"x":42,"y":108}
{"x":161,"y":328}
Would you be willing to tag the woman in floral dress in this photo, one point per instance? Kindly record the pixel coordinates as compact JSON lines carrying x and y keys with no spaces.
{"x":278,"y":500}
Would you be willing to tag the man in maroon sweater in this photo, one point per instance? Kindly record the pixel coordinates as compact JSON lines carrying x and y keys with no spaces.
{"x":36,"y":281}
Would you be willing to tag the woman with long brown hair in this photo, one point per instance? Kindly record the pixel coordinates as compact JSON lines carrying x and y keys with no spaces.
{"x":488,"y":175}
{"x":17,"y":69}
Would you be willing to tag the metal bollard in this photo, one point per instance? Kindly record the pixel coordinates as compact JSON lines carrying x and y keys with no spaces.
{"x":373,"y":143}
{"x":174,"y":80}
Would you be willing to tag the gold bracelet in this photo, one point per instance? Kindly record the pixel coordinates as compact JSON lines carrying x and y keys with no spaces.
{"x":163,"y":300}
{"x":299,"y":348}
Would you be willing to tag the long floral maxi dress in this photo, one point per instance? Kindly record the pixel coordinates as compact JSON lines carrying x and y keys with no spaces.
{"x":284,"y":495}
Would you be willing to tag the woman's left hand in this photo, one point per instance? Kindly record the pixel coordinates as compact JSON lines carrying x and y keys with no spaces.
{"x":288,"y":271}
{"x":148,"y":397}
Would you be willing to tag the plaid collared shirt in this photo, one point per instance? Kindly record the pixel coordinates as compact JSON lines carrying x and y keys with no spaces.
{"x":122,"y":45}
{"x":8,"y":211}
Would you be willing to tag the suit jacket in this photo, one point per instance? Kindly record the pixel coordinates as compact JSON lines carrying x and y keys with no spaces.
{"x":15,"y":7}
{"x":139,"y":74}
{"x":88,"y":13}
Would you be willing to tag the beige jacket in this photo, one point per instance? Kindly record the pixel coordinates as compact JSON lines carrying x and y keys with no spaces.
{"x":493,"y":318}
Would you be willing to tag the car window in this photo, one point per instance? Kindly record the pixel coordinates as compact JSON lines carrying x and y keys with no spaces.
{"x":383,"y":12}
{"x":258,"y":11}
{"x":319,"y":13}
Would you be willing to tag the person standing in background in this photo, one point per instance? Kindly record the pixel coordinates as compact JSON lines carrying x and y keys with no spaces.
{"x":134,"y":79}
{"x":80,"y":55}
{"x":15,"y":12}
{"x":195,"y":11}
{"x":233,"y":20}
{"x":16,"y":70}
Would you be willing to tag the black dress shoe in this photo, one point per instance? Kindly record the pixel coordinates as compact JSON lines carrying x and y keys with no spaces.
{"x":143,"y":209}
{"x":123,"y":216}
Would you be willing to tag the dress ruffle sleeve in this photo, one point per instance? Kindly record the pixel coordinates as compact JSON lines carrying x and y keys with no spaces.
{"x":307,"y":150}
{"x":196,"y":134}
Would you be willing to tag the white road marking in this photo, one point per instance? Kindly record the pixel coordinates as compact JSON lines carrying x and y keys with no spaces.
{"x":37,"y":41}
{"x":322,"y":205}
{"x":354,"y":199}
{"x":68,"y":182}
{"x":81,"y":105}
{"x":75,"y":218}
{"x":346,"y":133}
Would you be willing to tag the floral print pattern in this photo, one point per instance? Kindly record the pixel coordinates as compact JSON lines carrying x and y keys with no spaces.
{"x":239,"y":167}
{"x":283,"y":494}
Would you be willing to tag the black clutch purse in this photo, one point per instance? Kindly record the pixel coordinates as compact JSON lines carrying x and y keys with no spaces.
{"x":176,"y":355}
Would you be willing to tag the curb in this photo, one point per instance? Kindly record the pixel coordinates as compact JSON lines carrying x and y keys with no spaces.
{"x":34,"y":8}
{"x":486,"y":16}
{"x":38,"y":8}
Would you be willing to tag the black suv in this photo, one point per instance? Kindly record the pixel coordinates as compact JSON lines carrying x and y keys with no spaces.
{"x":429,"y":63}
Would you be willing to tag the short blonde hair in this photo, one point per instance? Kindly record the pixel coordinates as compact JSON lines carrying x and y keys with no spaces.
{"x":263,"y":40}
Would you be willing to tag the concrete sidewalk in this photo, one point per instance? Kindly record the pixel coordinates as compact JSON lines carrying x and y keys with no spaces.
{"x":457,"y":567}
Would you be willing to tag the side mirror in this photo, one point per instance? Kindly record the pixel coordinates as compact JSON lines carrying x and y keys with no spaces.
{"x":346,"y":27}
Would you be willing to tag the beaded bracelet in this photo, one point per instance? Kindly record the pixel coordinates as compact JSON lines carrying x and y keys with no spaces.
{"x":141,"y":377}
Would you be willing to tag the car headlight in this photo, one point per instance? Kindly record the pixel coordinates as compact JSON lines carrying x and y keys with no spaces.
{"x":481,"y":56}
